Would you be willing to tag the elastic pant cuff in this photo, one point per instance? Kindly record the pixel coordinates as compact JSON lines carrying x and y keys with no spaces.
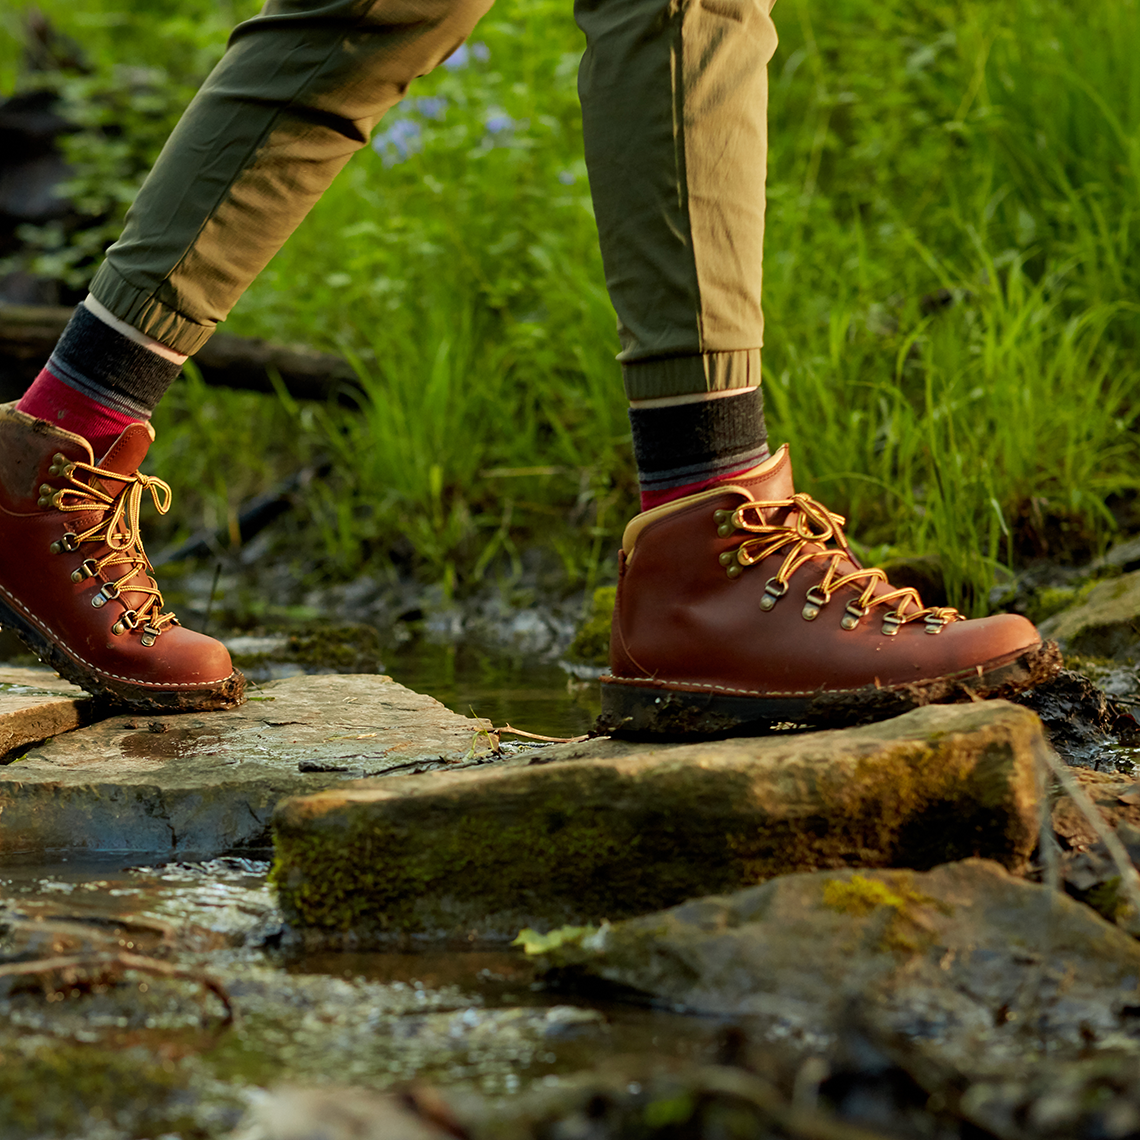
{"x":688,"y":375}
{"x":142,"y":310}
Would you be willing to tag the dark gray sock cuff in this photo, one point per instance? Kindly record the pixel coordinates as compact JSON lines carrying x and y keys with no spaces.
{"x":110,"y":368}
{"x":692,"y":443}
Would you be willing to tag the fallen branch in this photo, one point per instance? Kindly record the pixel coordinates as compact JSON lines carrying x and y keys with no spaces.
{"x":114,"y":965}
{"x":535,"y":736}
{"x":28,"y":334}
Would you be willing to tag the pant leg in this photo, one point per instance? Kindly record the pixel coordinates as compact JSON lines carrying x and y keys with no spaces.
{"x":299,"y":90}
{"x":674,"y":108}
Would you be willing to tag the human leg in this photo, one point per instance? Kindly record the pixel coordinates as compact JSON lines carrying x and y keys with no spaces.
{"x":297,"y":93}
{"x":740,"y":602}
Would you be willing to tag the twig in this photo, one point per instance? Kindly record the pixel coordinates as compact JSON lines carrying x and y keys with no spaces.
{"x":1129,"y":878}
{"x":535,"y":736}
{"x":91,"y":962}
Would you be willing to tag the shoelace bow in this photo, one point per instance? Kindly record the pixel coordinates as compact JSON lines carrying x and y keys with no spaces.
{"x":805,"y":532}
{"x":119,"y":530}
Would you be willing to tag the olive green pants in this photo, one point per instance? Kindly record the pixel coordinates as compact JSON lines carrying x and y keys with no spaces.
{"x":674,"y":106}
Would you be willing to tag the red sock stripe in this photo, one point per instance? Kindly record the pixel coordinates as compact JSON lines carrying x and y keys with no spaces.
{"x":51,"y":399}
{"x":651,"y":499}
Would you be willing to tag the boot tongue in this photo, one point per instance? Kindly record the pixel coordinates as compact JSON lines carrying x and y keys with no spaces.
{"x":129,"y":450}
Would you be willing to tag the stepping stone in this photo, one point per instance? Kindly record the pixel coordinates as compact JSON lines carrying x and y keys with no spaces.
{"x":203,"y":784}
{"x":606,"y":829}
{"x":36,"y":704}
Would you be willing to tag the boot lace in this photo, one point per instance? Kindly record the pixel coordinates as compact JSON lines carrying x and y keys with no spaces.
{"x":125,"y":567}
{"x":807,"y":527}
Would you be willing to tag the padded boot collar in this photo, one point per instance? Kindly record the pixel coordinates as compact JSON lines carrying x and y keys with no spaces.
{"x":772,"y":479}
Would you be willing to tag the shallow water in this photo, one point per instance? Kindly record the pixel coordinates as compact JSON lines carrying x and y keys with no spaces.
{"x":470,"y":1019}
{"x":531,"y":694}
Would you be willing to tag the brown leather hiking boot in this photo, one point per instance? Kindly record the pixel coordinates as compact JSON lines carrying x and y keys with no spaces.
{"x":75,"y":582}
{"x":743,"y":606}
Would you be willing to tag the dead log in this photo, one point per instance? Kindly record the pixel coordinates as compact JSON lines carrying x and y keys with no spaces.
{"x":28,"y":334}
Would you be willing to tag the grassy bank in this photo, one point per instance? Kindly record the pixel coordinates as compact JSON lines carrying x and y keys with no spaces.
{"x":951,"y":293}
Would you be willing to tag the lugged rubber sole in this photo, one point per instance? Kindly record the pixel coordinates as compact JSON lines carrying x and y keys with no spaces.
{"x":642,"y":709}
{"x":225,"y":694}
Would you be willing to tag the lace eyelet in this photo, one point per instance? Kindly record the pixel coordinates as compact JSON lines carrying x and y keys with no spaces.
{"x":68,"y":544}
{"x":107,"y":594}
{"x":129,"y":620}
{"x":774,"y":590}
{"x":816,"y":600}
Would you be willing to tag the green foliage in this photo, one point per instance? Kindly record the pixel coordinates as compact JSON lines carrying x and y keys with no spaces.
{"x":123,"y":112}
{"x":950,"y":286}
{"x":533,"y":942}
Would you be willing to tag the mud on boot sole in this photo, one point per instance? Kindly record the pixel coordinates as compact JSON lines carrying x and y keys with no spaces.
{"x":225,"y":694}
{"x":643,"y":709}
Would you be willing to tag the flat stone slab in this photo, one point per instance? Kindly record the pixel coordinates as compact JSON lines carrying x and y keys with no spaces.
{"x":606,"y":829}
{"x":207,"y":783}
{"x":36,"y":704}
{"x":1105,"y":624}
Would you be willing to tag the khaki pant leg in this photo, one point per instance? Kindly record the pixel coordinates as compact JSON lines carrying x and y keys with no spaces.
{"x":674,"y":104}
{"x":299,"y":90}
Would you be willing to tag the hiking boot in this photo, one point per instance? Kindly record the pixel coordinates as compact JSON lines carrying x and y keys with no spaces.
{"x":75,"y":583}
{"x":743,"y":606}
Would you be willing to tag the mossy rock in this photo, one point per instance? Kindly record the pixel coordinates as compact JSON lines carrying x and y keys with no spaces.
{"x":608,"y":829}
{"x":591,"y":644}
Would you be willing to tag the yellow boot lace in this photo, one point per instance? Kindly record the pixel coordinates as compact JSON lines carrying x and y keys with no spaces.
{"x":804,"y":534}
{"x":125,"y":568}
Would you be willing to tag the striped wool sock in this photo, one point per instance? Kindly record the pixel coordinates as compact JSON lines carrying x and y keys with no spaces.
{"x":98,"y":381}
{"x":684,"y":448}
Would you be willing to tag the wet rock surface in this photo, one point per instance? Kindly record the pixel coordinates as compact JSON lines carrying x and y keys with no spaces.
{"x":605,"y":829}
{"x":35,"y":704}
{"x":207,"y":783}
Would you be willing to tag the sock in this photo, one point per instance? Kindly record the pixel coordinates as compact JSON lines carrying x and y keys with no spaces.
{"x":98,"y":381}
{"x":684,"y":448}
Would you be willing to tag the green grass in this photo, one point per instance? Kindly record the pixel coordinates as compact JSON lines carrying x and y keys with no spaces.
{"x":991,"y":150}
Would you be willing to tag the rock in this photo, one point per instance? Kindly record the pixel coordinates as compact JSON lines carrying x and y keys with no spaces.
{"x":1105,"y":624}
{"x":336,"y":1114}
{"x":608,"y":829}
{"x":36,"y":704}
{"x":589,"y":653}
{"x":978,"y":967}
{"x":1078,"y":719}
{"x":342,"y":648}
{"x":207,"y":783}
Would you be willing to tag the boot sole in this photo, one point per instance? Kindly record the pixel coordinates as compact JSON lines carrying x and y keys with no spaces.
{"x":225,"y":694}
{"x":647,"y":710}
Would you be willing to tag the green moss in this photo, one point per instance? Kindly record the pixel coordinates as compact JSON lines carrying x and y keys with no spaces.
{"x":904,"y":932}
{"x":580,"y":843}
{"x":860,"y":895}
{"x":1108,"y":900}
{"x":533,"y":942}
{"x":1050,"y":600}
{"x":591,"y":644}
{"x":343,"y":648}
{"x":53,"y":1089}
